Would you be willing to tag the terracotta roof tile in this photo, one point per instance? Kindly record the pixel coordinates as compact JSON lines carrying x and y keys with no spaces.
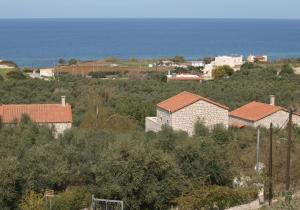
{"x":182,"y":100}
{"x":39,"y":113}
{"x":255,"y":111}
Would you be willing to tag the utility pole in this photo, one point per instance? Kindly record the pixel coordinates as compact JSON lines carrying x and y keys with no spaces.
{"x":288,"y":158}
{"x":270,"y":166}
{"x":257,"y":154}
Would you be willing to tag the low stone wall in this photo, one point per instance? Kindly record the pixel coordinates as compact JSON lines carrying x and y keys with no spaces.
{"x":152,"y":124}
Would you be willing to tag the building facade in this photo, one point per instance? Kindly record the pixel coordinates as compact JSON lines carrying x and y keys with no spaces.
{"x":234,"y":62}
{"x":48,"y":72}
{"x":184,"y":110}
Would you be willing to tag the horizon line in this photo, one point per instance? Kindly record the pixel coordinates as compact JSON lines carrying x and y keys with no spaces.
{"x":117,"y":18}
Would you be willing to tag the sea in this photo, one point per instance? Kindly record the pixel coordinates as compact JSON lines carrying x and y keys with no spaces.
{"x":41,"y":42}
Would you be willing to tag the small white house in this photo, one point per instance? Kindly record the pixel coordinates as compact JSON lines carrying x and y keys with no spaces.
{"x":183,"y":111}
{"x":234,"y":62}
{"x":197,"y":63}
{"x":47,"y":72}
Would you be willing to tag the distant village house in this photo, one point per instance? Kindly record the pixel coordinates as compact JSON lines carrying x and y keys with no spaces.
{"x":183,"y":111}
{"x":235,"y":62}
{"x":197,"y":63}
{"x":47,"y":72}
{"x":257,"y":59}
{"x":58,"y":116}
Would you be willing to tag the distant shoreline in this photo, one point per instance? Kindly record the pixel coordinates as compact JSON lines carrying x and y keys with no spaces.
{"x":147,"y":18}
{"x":41,"y":42}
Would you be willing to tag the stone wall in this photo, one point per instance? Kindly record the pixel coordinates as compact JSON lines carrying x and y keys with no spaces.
{"x":210,"y":114}
{"x":279,"y":119}
{"x":61,"y":127}
{"x":296,"y":120}
{"x":164,"y":117}
{"x":238,"y":121}
{"x":152,"y":124}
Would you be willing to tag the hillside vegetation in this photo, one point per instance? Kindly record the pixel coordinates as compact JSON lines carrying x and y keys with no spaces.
{"x":112,"y":157}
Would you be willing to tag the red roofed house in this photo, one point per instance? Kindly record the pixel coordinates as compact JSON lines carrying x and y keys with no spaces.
{"x":58,"y":116}
{"x":183,"y":111}
{"x":257,"y":114}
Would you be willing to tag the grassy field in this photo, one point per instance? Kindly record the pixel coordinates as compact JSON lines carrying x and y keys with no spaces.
{"x":104,"y":66}
{"x":3,"y":72}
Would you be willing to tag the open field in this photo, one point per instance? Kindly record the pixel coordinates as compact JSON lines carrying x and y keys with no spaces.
{"x":103,"y":66}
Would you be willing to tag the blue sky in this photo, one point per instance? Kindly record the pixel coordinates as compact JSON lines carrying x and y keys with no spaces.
{"x":150,"y":8}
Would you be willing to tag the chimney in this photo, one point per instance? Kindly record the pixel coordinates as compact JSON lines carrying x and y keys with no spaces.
{"x":272,"y":100}
{"x":63,"y":100}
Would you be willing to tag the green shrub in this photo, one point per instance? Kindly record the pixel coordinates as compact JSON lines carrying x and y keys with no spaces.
{"x":287,"y":69}
{"x":97,"y":74}
{"x":32,"y":200}
{"x":216,"y":196}
{"x":73,"y":61}
{"x":220,"y":134}
{"x":201,"y":129}
{"x":247,"y":65}
{"x":74,"y":198}
{"x":17,"y":75}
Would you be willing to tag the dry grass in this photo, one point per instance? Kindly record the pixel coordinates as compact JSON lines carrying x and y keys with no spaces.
{"x":104,"y":66}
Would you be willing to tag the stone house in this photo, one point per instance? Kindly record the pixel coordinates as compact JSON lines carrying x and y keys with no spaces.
{"x":58,"y":116}
{"x":257,"y":114}
{"x":183,"y":111}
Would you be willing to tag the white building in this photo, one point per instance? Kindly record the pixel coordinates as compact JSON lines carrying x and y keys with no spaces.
{"x":234,"y":62}
{"x":58,"y":116}
{"x":207,"y":71}
{"x":183,"y":111}
{"x":47,"y":72}
{"x":197,"y":63}
{"x":257,"y":114}
{"x":167,"y":63}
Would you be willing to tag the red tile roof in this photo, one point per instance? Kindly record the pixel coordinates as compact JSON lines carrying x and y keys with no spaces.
{"x":39,"y":113}
{"x":182,"y":100}
{"x":255,"y":111}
